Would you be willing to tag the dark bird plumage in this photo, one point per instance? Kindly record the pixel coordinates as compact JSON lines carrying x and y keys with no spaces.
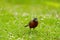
{"x":33,"y":23}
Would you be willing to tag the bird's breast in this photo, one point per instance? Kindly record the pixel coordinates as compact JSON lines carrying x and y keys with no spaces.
{"x":33,"y":24}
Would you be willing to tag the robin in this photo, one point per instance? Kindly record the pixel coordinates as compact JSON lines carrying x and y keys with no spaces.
{"x":33,"y":23}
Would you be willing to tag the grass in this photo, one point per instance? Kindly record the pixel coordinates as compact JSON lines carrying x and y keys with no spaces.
{"x":13,"y":18}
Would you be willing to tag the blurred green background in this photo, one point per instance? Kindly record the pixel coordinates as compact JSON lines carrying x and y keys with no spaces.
{"x":15,"y":14}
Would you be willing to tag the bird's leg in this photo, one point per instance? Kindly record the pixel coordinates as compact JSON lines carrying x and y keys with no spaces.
{"x":33,"y":28}
{"x":30,"y":30}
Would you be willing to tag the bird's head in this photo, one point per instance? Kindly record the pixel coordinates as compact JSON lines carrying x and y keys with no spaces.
{"x":35,"y":19}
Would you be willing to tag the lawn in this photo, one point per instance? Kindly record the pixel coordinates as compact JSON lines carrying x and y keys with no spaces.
{"x":14,"y":15}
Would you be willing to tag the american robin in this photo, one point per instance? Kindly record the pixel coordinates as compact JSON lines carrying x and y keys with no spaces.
{"x":33,"y":23}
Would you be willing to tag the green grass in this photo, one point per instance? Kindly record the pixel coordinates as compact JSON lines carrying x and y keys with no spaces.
{"x":13,"y":18}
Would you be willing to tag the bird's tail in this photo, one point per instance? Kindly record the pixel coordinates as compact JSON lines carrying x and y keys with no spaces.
{"x":26,"y":25}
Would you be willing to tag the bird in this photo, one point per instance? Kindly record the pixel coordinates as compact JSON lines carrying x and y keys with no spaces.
{"x":33,"y":23}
